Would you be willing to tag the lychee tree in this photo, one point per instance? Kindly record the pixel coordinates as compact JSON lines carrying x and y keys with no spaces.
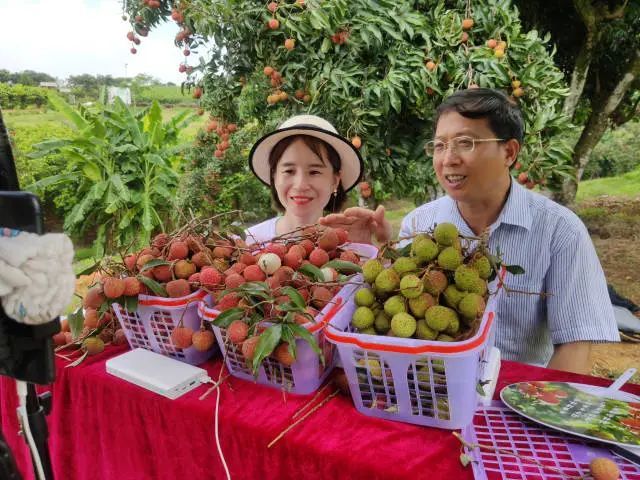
{"x":377,"y":70}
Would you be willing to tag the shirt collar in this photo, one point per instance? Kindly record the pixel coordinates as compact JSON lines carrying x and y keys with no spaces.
{"x":515,"y":211}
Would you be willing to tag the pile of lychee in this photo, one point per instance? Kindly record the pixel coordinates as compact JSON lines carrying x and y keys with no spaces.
{"x":287,"y":281}
{"x":434,"y":290}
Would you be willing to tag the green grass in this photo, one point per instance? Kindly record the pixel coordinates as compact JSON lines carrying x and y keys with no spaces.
{"x":32,"y":117}
{"x":626,"y":185}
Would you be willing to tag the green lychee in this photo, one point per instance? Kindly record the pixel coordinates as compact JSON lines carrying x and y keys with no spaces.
{"x":443,"y":337}
{"x":450,"y":258}
{"x":423,"y":375}
{"x":465,"y":278}
{"x":364,"y":297}
{"x":394,"y":305}
{"x":418,"y":306}
{"x":362,"y":318}
{"x":368,"y":331}
{"x":445,"y":233}
{"x":479,"y":286}
{"x":382,"y":323}
{"x":452,"y":296}
{"x":371,"y":269}
{"x":438,"y":317}
{"x":411,"y":286}
{"x":482,"y":265}
{"x":435,"y":281}
{"x":453,"y":328}
{"x":425,"y":332}
{"x":471,"y":306}
{"x":423,"y":248}
{"x":387,"y":280}
{"x":403,"y":325}
{"x":404,"y":265}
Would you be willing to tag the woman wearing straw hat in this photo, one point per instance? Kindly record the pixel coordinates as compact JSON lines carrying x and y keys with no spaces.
{"x":309,"y":168}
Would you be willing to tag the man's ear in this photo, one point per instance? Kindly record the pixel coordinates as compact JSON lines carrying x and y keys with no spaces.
{"x":512,"y":148}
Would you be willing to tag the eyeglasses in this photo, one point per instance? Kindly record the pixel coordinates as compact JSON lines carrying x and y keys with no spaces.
{"x":436,"y":148}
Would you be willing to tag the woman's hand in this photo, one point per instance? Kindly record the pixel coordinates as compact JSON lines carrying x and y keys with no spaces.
{"x":361,"y":223}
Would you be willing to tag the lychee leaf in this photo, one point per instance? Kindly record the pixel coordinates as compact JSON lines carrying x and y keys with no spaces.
{"x":76,"y":322}
{"x":154,"y":263}
{"x":86,"y":271}
{"x":295,"y":296}
{"x":308,"y":337}
{"x":131,"y":303}
{"x":269,"y":340}
{"x":237,"y":230}
{"x":515,"y":269}
{"x":289,"y":338}
{"x":312,"y":271}
{"x":155,"y":287}
{"x":225,"y":318}
{"x":343,"y":267}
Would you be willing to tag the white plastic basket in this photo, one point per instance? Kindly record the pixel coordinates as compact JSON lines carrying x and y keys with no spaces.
{"x":416,"y":381}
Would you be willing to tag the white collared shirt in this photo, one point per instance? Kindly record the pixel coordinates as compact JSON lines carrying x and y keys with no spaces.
{"x":553,"y":247}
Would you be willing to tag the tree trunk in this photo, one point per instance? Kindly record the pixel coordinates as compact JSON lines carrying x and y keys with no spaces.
{"x":583,"y":60}
{"x":603,"y":106}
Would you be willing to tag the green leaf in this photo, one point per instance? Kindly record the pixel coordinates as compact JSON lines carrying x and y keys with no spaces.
{"x":269,"y":340}
{"x":343,"y":267}
{"x":154,"y":263}
{"x":76,"y":322}
{"x":515,"y":269}
{"x":312,"y":272}
{"x":225,"y":318}
{"x":465,"y":459}
{"x":131,"y":303}
{"x":295,"y":296}
{"x":153,"y":285}
{"x":303,"y":333}
{"x":66,"y":109}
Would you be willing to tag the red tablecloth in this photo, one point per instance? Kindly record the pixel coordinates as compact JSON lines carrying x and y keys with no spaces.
{"x":103,"y":427}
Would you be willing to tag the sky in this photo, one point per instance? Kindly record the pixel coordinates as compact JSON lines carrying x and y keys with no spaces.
{"x":71,"y":37}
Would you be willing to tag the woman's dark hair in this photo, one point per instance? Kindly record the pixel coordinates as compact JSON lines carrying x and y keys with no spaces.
{"x":322,"y":149}
{"x":503,"y":113}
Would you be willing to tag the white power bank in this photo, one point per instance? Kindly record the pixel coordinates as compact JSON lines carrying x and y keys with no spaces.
{"x":166,"y":376}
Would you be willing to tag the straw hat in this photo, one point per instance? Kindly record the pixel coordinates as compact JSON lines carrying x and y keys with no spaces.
{"x":313,"y":126}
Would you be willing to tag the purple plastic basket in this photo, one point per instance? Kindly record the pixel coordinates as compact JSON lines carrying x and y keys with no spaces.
{"x":409,"y":380}
{"x":151,"y":325}
{"x":307,"y":373}
{"x":505,"y":431}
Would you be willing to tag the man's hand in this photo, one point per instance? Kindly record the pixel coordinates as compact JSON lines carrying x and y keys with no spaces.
{"x":572,"y":357}
{"x":361,"y":223}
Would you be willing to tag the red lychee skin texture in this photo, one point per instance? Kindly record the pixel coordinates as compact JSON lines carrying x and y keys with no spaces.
{"x":318,"y":257}
{"x":237,"y":331}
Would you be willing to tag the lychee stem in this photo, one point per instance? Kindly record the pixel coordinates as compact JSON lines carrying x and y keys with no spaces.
{"x":310,"y":402}
{"x":301,"y":419}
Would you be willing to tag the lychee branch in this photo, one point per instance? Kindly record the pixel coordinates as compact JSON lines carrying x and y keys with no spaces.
{"x":473,"y":446}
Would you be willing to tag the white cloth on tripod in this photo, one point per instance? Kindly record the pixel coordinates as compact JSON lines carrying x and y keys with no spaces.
{"x":36,"y":275}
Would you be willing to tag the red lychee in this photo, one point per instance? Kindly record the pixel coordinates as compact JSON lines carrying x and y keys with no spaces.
{"x":178,"y":288}
{"x":162,"y":273}
{"x":203,"y":340}
{"x":293,"y":259}
{"x":182,"y":337}
{"x":131,"y":286}
{"x":318,"y":257}
{"x":320,"y":296}
{"x":234,"y":280}
{"x":249,"y":347}
{"x":113,"y":287}
{"x":178,"y":250}
{"x":281,"y":354}
{"x":94,"y":298}
{"x":211,"y":278}
{"x":350,"y":256}
{"x":253,"y":273}
{"x":184,"y":269}
{"x":329,"y":240}
{"x":237,"y":331}
{"x":230,"y":300}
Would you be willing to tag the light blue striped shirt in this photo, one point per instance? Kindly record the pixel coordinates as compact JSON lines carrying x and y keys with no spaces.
{"x":553,"y":246}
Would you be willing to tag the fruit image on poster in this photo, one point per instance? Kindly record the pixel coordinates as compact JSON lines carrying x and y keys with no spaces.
{"x":574,"y":410}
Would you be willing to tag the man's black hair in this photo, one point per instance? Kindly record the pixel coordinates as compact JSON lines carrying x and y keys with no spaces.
{"x":502,"y":113}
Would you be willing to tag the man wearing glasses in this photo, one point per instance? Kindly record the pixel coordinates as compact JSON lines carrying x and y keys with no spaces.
{"x":478,"y":134}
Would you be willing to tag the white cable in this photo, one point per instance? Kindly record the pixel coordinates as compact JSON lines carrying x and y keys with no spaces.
{"x":23,"y":418}
{"x":224,"y":463}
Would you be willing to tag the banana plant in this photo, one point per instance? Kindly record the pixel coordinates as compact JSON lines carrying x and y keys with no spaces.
{"x":125,"y":165}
